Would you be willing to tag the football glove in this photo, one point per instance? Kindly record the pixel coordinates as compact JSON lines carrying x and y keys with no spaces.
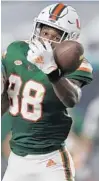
{"x":41,"y":55}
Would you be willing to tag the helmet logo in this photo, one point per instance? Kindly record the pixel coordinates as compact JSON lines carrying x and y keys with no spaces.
{"x":56,"y":12}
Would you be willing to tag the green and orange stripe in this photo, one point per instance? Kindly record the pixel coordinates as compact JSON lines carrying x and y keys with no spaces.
{"x":57,"y":11}
{"x":66,"y":164}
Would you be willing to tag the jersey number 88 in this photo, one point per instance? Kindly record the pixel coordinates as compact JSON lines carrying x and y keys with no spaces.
{"x":20,"y":98}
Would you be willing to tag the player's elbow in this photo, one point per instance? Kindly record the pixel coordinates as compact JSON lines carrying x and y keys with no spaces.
{"x":75,"y":97}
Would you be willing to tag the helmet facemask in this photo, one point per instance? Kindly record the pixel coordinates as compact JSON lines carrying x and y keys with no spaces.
{"x":37,"y":26}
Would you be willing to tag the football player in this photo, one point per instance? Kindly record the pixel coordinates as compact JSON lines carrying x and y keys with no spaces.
{"x":38,"y":96}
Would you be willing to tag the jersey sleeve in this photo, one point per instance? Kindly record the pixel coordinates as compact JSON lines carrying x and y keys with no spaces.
{"x":7,"y":58}
{"x":84,"y":73}
{"x":13,"y":52}
{"x":5,"y":55}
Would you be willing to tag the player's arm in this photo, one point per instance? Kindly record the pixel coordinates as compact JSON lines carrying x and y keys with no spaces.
{"x":82,"y":76}
{"x":4,"y":87}
{"x":5,"y":67}
{"x":67,"y":91}
{"x":6,"y":146}
{"x":4,"y":102}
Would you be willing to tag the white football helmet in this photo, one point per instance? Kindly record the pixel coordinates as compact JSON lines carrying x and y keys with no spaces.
{"x":61,"y":17}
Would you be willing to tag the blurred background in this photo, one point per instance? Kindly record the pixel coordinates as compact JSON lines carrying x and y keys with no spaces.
{"x":83,"y":142}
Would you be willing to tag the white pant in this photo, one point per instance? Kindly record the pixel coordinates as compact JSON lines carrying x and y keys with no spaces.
{"x":47,"y":167}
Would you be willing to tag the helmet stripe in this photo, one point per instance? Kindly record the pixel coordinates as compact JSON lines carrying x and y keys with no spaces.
{"x":57,"y":11}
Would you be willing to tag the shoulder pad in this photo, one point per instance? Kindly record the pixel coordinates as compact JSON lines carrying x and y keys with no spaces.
{"x":16,"y":45}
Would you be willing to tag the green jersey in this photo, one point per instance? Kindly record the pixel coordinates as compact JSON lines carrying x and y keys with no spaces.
{"x":40,"y":122}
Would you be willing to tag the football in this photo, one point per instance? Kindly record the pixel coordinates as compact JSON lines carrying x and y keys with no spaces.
{"x":68,"y":56}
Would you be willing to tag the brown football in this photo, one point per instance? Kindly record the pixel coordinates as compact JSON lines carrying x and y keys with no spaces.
{"x":68,"y":56}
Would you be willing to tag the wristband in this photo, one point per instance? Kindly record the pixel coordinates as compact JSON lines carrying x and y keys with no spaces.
{"x":55,"y":75}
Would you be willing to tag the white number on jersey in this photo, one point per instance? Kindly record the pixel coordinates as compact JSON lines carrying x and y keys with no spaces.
{"x":27,"y":100}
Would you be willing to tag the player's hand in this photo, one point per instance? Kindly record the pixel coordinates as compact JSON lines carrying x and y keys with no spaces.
{"x":41,"y":55}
